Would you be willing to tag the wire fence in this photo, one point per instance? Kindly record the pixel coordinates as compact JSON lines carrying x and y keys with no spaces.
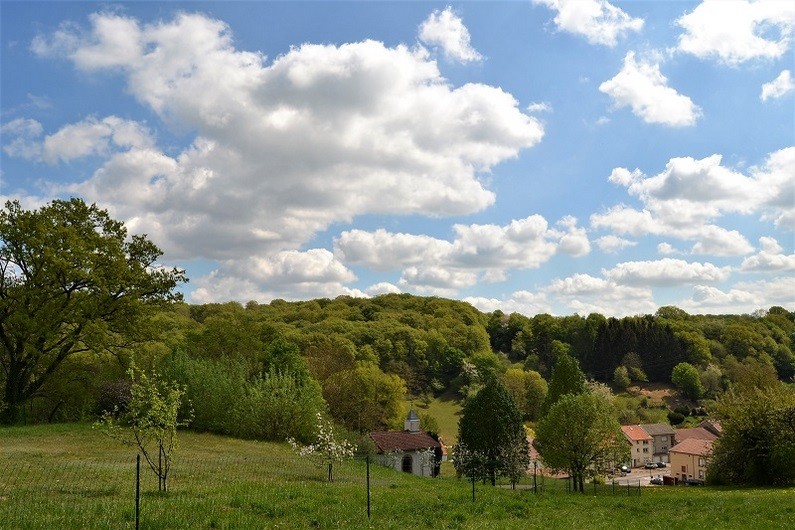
{"x":83,"y":491}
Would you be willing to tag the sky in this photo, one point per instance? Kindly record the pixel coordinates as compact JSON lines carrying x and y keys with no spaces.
{"x":537,"y":156}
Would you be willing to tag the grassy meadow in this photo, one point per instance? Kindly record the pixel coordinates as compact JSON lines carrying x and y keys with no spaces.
{"x":70,"y":476}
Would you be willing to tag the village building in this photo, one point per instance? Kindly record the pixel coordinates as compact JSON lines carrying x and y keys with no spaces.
{"x":411,"y":450}
{"x":689,"y":460}
{"x":663,"y":439}
{"x":641,"y":444}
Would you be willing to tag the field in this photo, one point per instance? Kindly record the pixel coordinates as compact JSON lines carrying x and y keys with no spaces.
{"x":69,"y":476}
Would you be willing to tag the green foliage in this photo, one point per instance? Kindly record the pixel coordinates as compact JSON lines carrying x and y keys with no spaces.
{"x":153,"y":417}
{"x":757,"y":446}
{"x":580,"y":435}
{"x":365,"y":399}
{"x":490,"y":434}
{"x":686,"y":378}
{"x":567,"y":378}
{"x":528,"y":389}
{"x":621,"y":377}
{"x":72,"y":282}
{"x":231,"y":397}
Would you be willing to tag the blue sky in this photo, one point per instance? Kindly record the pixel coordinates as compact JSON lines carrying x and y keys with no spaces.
{"x":560,"y":156}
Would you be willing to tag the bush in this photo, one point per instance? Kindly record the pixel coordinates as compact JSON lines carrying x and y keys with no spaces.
{"x":675,"y":418}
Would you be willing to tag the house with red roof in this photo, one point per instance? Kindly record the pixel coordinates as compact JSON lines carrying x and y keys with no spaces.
{"x":641,"y":444}
{"x":411,"y":450}
{"x":689,"y":460}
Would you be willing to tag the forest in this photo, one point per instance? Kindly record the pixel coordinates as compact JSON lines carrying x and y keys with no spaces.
{"x":264,"y":370}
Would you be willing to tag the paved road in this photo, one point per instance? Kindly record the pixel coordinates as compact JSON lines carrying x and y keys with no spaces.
{"x":641,"y":474}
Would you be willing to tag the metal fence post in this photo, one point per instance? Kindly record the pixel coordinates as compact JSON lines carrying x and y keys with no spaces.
{"x":368,"y":487}
{"x":137,"y":490}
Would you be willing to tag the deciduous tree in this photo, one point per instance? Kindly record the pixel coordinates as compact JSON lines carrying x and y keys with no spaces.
{"x":580,"y":435}
{"x":72,"y":281}
{"x":491,"y":428}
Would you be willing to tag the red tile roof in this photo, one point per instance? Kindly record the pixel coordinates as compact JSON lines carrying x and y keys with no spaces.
{"x":699,"y":433}
{"x":388,"y":441}
{"x":693,"y":446}
{"x":635,"y":433}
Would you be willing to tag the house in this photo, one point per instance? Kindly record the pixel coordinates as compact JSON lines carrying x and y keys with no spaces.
{"x":689,"y":460}
{"x":641,"y":444}
{"x":699,"y":433}
{"x":410,"y":450}
{"x":663,"y":436}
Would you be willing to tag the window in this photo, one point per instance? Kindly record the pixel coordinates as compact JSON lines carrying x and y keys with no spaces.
{"x":664,"y":439}
{"x":407,"y":464}
{"x":684,"y":470}
{"x":702,"y":462}
{"x":701,"y":474}
{"x":645,"y":450}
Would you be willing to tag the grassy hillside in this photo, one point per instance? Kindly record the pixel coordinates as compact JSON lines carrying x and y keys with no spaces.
{"x":68,"y":476}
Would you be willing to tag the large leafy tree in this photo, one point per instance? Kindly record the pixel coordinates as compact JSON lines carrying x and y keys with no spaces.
{"x":580,"y":435}
{"x":491,"y":432}
{"x":757,"y":446}
{"x":72,"y":282}
{"x":567,"y":378}
{"x":365,"y":399}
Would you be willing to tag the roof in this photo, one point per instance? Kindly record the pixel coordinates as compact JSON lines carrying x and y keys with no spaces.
{"x":712,"y":426}
{"x":693,"y":446}
{"x":412,"y":416}
{"x":635,"y":433}
{"x":388,"y":441}
{"x":658,"y":429}
{"x":699,"y":433}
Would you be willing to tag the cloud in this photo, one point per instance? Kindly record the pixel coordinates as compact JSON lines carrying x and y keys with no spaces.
{"x":640,"y":86}
{"x":289,"y":274}
{"x":541,"y":106}
{"x":769,"y":259}
{"x":597,"y":20}
{"x":666,"y":272}
{"x":736,"y":31}
{"x":523,"y":302}
{"x":779,"y":87}
{"x":612,"y":244}
{"x":689,"y":194}
{"x":446,"y":30}
{"x":742,"y":298}
{"x":280,"y":149}
{"x":477,"y":252}
{"x":25,"y":143}
{"x":94,"y":137}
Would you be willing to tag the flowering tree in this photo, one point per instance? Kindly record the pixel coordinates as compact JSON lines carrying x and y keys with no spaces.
{"x":326,"y":449}
{"x":153,"y":417}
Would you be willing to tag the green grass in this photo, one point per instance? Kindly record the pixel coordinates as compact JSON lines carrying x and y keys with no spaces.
{"x":68,"y":476}
{"x":447,"y":410}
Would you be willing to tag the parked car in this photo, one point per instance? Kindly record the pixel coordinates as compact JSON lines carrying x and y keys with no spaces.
{"x":694,"y":482}
{"x":661,"y":464}
{"x":625,"y":469}
{"x":658,"y":480}
{"x":650,"y":465}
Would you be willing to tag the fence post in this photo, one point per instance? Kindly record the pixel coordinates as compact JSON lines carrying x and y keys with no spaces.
{"x":137,"y":490}
{"x":473,"y":485}
{"x":368,"y":487}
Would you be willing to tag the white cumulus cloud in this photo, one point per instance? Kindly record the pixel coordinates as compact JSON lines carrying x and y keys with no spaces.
{"x":641,"y":86}
{"x":666,"y":272}
{"x":736,"y":31}
{"x":282,"y":148}
{"x":599,"y":21}
{"x":779,"y":87}
{"x":446,"y":30}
